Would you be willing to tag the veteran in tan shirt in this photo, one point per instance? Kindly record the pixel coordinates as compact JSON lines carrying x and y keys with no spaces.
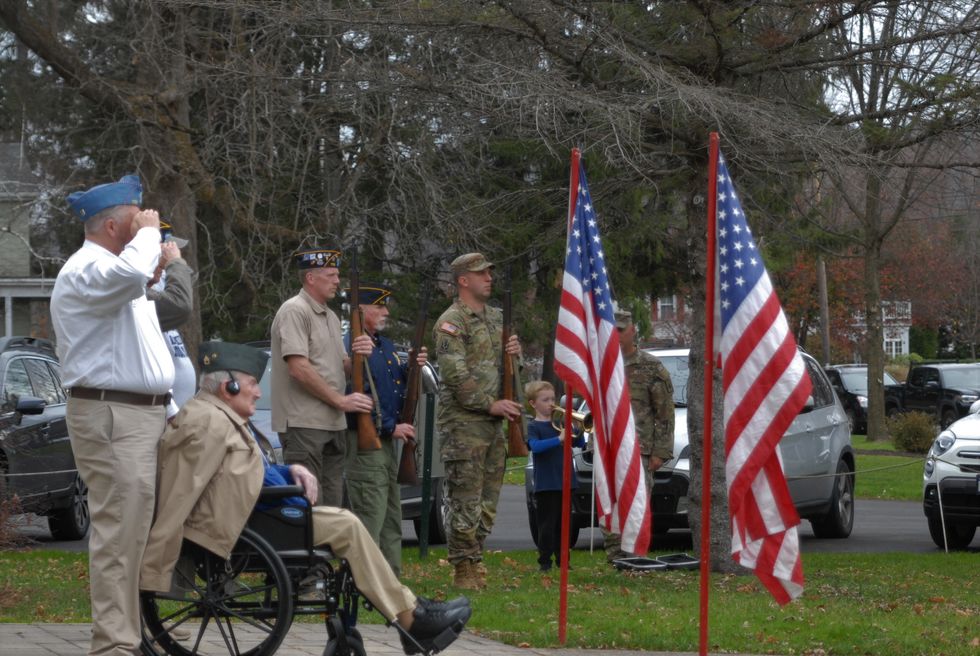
{"x":309,"y":375}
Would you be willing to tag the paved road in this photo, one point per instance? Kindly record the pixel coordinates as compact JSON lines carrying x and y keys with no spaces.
{"x":879,"y":526}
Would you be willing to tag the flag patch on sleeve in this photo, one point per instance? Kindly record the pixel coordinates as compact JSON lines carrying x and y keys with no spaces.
{"x":449,"y":328}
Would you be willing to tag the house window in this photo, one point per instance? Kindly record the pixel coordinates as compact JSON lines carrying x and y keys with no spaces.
{"x":893,"y":347}
{"x":665,"y":309}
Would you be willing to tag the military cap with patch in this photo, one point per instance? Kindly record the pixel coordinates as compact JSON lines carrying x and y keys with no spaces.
{"x":470,"y":262}
{"x":167,"y":234}
{"x":228,"y":356}
{"x":86,"y":204}
{"x":317,"y":258}
{"x":371,"y":294}
{"x":623,"y":318}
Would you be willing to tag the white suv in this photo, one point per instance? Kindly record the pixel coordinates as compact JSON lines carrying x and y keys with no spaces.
{"x":816,"y":450}
{"x":951,"y":483}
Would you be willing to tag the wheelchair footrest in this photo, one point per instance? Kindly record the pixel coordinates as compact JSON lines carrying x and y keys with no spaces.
{"x":445,"y":638}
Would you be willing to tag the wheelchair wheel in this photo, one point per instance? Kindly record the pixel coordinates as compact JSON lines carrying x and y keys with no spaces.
{"x":239,"y":607}
{"x":353,"y":646}
{"x":340,"y":643}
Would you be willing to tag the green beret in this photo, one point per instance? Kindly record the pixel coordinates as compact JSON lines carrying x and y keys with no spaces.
{"x":227,"y":356}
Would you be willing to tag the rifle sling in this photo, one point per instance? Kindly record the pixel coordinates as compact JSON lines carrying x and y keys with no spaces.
{"x":374,"y":395}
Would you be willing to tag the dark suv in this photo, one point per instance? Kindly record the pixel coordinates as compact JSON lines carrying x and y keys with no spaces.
{"x":37,"y":468}
{"x":850,"y":381}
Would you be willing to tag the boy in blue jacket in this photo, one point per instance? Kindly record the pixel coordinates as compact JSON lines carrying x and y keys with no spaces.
{"x":545,"y":442}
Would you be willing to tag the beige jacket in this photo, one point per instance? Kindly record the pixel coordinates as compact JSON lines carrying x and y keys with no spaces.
{"x":209,"y":474}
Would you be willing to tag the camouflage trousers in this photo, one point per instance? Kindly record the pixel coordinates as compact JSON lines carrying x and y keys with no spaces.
{"x":612,"y":542}
{"x":475,"y":455}
{"x":375,"y":497}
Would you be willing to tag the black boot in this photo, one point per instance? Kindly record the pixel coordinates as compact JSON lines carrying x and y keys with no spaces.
{"x":435,"y":628}
{"x":433,"y":604}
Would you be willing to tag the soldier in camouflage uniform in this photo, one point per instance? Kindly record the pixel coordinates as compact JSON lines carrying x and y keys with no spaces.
{"x":470,"y":419}
{"x":652,"y":400}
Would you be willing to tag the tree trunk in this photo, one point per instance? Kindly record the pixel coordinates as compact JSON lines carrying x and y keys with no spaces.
{"x":872,"y":308}
{"x":720,"y":527}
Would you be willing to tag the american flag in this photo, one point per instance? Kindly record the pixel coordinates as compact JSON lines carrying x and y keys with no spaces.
{"x":588,"y":359}
{"x":765,"y":384}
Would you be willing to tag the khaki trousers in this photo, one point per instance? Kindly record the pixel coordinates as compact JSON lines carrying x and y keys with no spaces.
{"x":343,"y":532}
{"x":115,"y":447}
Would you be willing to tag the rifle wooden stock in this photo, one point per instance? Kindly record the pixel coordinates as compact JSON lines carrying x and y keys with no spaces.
{"x":367,"y":433}
{"x":407,"y":469}
{"x":516,"y":445}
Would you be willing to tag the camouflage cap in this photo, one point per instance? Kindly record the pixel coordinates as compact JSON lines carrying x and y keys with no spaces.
{"x":623,"y":318}
{"x":469,"y":262}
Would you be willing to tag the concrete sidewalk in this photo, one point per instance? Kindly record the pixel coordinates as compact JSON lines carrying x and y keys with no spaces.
{"x":302,"y":640}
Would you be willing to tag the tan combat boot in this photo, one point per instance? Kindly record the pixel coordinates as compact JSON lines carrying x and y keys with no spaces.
{"x":480,"y":572}
{"x":465,"y":576}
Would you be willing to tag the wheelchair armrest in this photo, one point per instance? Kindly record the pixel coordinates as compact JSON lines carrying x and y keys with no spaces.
{"x":273,"y":492}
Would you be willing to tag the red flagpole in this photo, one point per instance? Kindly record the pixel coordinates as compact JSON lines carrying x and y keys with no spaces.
{"x":566,"y":481}
{"x":709,"y":357}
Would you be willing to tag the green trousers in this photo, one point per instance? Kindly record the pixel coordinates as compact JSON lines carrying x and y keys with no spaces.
{"x":375,"y":497}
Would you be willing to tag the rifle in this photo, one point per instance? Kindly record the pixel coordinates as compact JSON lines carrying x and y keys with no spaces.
{"x":516,"y":446}
{"x":407,"y":470}
{"x":367,"y":432}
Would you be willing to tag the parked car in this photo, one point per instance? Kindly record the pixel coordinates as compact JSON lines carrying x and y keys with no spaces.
{"x":850,"y":381}
{"x":944,"y":390}
{"x":411,"y":495}
{"x":951,"y":483}
{"x":816,"y":446}
{"x":37,"y":467}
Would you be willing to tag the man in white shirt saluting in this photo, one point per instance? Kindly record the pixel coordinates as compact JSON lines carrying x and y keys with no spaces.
{"x":119,"y":374}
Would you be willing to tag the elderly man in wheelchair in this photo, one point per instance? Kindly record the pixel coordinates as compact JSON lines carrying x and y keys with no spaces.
{"x":225,"y":569}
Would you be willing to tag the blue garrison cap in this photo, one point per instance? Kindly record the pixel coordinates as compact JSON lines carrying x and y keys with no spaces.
{"x":86,"y":204}
{"x":315,"y":258}
{"x":371,"y":294}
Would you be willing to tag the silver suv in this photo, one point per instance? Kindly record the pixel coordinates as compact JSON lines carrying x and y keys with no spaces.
{"x":816,"y":450}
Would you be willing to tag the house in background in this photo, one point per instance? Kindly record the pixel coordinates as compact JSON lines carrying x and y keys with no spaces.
{"x":24,"y":298}
{"x":896,"y":318}
{"x":670,"y":319}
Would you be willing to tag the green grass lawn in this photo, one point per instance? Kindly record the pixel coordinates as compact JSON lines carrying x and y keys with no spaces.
{"x":896,"y":477}
{"x":853,"y":604}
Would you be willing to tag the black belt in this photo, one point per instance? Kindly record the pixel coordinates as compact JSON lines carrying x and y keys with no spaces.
{"x":115,"y":396}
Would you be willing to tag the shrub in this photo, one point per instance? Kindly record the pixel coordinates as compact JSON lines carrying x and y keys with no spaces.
{"x":912,"y":431}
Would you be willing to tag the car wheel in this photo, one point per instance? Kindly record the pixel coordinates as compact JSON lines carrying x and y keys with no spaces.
{"x":438,"y":513}
{"x":958,"y":536}
{"x":851,"y":421}
{"x":839,"y":520}
{"x":947,"y":418}
{"x":72,"y":523}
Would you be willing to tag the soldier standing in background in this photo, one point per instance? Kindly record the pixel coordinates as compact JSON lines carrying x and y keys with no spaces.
{"x":474,"y":450}
{"x":372,"y":476}
{"x":652,"y":400}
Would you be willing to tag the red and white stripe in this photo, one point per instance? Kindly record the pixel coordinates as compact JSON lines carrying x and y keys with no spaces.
{"x":766,"y":385}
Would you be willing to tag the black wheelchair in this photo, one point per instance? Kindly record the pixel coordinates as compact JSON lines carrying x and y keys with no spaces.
{"x":244,"y":606}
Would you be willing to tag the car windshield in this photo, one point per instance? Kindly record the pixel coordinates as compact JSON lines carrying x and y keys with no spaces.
{"x":677,"y":365}
{"x":965,"y":378}
{"x":265,"y":403}
{"x":856,"y":380}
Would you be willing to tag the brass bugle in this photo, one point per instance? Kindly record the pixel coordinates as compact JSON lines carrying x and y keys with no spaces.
{"x":580,"y":422}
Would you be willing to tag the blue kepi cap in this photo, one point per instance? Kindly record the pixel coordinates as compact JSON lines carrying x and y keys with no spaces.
{"x":86,"y":204}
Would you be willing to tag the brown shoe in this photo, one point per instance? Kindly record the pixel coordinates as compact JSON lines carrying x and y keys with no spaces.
{"x":465,"y":576}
